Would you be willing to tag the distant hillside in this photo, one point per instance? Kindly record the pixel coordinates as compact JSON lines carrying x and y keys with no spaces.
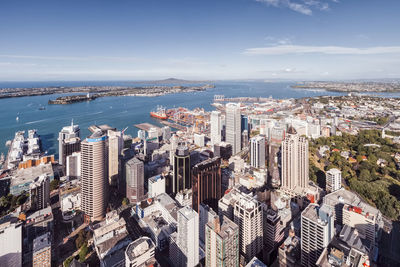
{"x":172,"y":81}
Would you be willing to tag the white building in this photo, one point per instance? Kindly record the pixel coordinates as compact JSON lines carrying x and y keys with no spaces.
{"x":257,"y":152}
{"x":333,"y":180}
{"x":39,"y":192}
{"x":140,"y":252}
{"x":215,"y":120}
{"x":361,"y":220}
{"x":156,"y":186}
{"x":188,"y":237}
{"x":166,"y":132}
{"x":74,"y":165}
{"x":199,"y":140}
{"x":317,"y":230}
{"x":233,"y":127}
{"x":11,"y":243}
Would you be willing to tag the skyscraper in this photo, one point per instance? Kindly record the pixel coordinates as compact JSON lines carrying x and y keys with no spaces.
{"x":222,"y":243}
{"x":248,"y":216}
{"x":257,"y":152}
{"x":188,"y":237}
{"x":215,"y":119}
{"x":94,"y":175}
{"x":206,"y":183}
{"x":233,"y":126}
{"x":39,"y":193}
{"x":317,"y":230}
{"x":134,"y":172}
{"x":333,"y":180}
{"x":294,"y":161}
{"x":206,"y":215}
{"x":182,"y":176}
{"x":115,"y":145}
{"x":68,"y":142}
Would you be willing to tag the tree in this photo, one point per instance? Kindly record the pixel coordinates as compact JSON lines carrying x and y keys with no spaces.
{"x":54,"y":184}
{"x":83,"y":253}
{"x":125,"y":201}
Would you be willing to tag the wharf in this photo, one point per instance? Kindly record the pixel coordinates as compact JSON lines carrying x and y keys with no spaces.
{"x":174,"y":125}
{"x":146,"y":126}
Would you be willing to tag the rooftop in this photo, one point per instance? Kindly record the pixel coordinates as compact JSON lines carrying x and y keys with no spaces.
{"x":41,"y":242}
{"x":139,"y":247}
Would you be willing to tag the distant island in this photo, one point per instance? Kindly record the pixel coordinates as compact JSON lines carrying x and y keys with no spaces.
{"x":173,"y":81}
{"x":348,"y":87}
{"x":99,"y":91}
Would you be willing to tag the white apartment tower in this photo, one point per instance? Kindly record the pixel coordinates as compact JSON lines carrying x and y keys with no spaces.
{"x":94,"y":176}
{"x":233,"y":127}
{"x":188,"y":237}
{"x":115,"y":145}
{"x":248,"y":216}
{"x":333,"y":180}
{"x":317,"y":230}
{"x":257,"y":152}
{"x":294,"y":161}
{"x":215,"y":119}
{"x":66,"y":133}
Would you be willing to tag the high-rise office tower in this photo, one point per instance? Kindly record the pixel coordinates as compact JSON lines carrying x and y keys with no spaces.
{"x":294,"y":161}
{"x":317,"y":230}
{"x":73,"y":165}
{"x":182,"y":176}
{"x":222,"y":243}
{"x":333,"y":180}
{"x":206,"y":183}
{"x":233,"y":126}
{"x":188,"y":237}
{"x":134,"y":172}
{"x":215,"y":119}
{"x":257,"y":152}
{"x":68,"y":142}
{"x":206,"y":215}
{"x":248,"y":216}
{"x":273,"y":228}
{"x":244,"y":123}
{"x":115,"y":145}
{"x":94,"y":176}
{"x":39,"y":193}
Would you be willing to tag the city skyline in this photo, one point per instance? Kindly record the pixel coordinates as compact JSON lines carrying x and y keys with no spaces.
{"x":239,"y":39}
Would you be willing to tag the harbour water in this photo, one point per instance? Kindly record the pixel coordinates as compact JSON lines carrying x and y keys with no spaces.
{"x":119,"y":112}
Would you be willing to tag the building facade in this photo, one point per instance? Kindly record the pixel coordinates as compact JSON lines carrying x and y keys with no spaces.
{"x":294,"y":161}
{"x":182,"y":174}
{"x":222,"y":243}
{"x":216,"y":128}
{"x":188,"y":237}
{"x":68,"y":142}
{"x":233,"y":126}
{"x":39,"y":193}
{"x":206,"y":183}
{"x":317,"y":230}
{"x":134,"y":172}
{"x":333,"y":180}
{"x":94,"y":176}
{"x":257,"y":152}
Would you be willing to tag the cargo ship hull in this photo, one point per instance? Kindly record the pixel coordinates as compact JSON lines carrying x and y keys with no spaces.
{"x":158,"y":115}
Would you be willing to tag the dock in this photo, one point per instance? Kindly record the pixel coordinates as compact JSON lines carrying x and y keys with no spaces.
{"x":146,"y":126}
{"x":174,"y":125}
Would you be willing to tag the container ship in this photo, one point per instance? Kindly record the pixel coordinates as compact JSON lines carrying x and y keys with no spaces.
{"x":159,"y":113}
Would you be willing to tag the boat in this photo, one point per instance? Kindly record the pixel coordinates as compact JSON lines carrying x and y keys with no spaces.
{"x":159,"y":113}
{"x":42,"y":108}
{"x":17,"y":118}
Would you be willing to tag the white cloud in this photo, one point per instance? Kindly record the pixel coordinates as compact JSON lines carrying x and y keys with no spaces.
{"x":329,"y":50}
{"x":305,"y":7}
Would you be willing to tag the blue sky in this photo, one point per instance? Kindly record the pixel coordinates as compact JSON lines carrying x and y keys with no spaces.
{"x":220,"y":39}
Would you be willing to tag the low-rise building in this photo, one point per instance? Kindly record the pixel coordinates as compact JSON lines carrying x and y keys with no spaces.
{"x":140,"y":252}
